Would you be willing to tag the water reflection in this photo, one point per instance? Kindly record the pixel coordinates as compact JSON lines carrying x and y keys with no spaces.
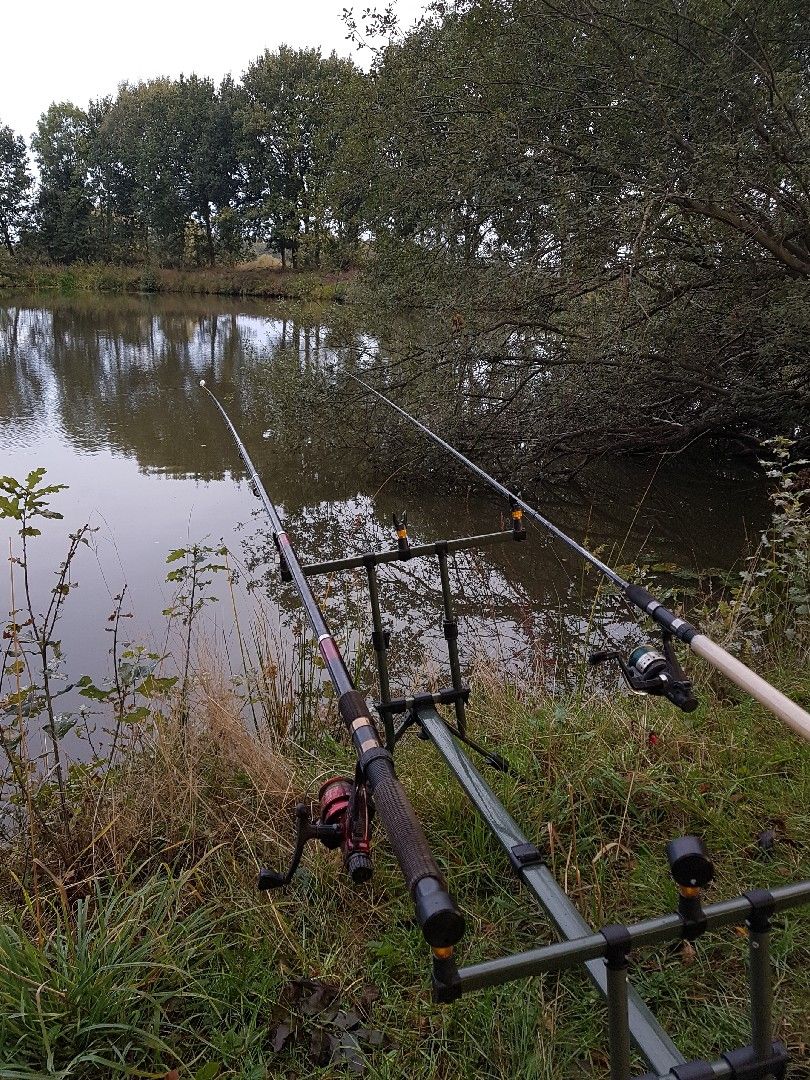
{"x":104,"y":393}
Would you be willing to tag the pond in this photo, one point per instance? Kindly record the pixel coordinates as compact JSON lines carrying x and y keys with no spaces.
{"x":103,"y":392}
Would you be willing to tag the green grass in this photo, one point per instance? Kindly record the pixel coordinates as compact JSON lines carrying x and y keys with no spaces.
{"x":155,"y":953}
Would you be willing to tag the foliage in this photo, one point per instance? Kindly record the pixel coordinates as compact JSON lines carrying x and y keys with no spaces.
{"x":773,"y":603}
{"x":171,"y":146}
{"x":191,"y":596}
{"x":606,"y":210}
{"x":293,"y":113}
{"x":64,"y":203}
{"x":32,"y":660}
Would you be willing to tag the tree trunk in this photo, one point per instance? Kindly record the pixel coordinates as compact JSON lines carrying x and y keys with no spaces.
{"x":7,"y":237}
{"x":208,"y":234}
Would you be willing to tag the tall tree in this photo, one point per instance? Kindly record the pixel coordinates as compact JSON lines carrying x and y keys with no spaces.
{"x":291,"y":116}
{"x":15,"y":186}
{"x":64,"y":207}
{"x":173,"y":145}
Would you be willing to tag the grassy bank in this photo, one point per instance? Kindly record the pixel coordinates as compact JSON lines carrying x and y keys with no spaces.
{"x":133,"y":941}
{"x":244,"y":280}
{"x":145,"y":948}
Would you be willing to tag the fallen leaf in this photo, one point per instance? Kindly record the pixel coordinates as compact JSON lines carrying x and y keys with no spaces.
{"x":280,"y":1037}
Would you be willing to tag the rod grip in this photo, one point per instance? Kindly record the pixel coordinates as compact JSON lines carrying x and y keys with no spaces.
{"x":441,"y":922}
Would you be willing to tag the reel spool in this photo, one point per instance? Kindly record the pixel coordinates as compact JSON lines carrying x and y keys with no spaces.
{"x":344,"y":821}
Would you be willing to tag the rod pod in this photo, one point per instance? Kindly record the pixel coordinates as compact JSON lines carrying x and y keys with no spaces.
{"x":735,"y":671}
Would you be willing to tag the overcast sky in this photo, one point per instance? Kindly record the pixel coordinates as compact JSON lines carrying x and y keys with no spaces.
{"x":58,"y":50}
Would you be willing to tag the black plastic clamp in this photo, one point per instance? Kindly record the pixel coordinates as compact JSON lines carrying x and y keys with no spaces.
{"x":423,"y":701}
{"x":694,"y":926}
{"x":763,"y":906}
{"x":450,"y":629}
{"x":745,"y":1065}
{"x":523,"y":855}
{"x":445,"y":981}
{"x":380,"y":640}
{"x":283,"y":566}
{"x":693,"y":1070}
{"x":619,"y":942}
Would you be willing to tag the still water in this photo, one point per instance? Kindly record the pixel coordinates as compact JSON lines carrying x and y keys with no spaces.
{"x":104,"y":394}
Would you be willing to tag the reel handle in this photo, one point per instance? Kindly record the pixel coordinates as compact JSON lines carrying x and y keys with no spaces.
{"x":305,"y":830}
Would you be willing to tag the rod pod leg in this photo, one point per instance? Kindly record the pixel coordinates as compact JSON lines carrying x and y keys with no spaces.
{"x":759,"y":971}
{"x":618,"y":940}
{"x":451,"y":636}
{"x":379,"y":640}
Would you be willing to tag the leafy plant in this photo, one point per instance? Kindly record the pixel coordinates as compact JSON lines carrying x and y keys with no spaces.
{"x":194,"y":562}
{"x":32,"y":660}
{"x":774,"y":601}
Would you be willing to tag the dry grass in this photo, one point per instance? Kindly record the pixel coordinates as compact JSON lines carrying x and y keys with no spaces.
{"x":176,"y":794}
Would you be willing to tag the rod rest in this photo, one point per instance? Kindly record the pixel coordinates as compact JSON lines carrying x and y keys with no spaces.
{"x":448,"y":696}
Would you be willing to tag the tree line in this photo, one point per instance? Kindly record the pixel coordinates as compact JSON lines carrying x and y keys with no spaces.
{"x":605,"y":205}
{"x":183,"y":172}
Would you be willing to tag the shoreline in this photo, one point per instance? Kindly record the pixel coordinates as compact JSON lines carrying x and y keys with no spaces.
{"x":268,"y":283}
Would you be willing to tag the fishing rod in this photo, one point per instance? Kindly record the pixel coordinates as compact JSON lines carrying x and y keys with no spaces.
{"x":646,"y":669}
{"x":345,"y":810}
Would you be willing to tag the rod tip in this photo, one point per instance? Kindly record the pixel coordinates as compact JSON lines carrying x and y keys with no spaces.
{"x":202,"y":382}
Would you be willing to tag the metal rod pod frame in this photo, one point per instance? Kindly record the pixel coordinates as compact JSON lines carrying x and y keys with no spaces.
{"x":604,"y":954}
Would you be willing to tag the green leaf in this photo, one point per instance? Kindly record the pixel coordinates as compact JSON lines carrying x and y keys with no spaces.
{"x":209,"y":1072}
{"x":62,"y":727}
{"x":135,"y":716}
{"x":152,"y":685}
{"x":87,"y":688}
{"x":10,"y":508}
{"x":34,"y":477}
{"x":178,"y":553}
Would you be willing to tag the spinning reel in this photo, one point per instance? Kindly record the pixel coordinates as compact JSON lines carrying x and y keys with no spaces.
{"x":344,"y":822}
{"x":648,"y":671}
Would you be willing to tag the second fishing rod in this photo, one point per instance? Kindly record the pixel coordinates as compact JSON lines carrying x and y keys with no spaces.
{"x":440,"y":920}
{"x":640,"y":676}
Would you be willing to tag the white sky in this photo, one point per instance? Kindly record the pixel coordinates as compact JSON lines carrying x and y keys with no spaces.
{"x":58,"y":50}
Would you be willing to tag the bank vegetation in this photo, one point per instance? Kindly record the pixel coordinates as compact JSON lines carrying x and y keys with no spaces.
{"x":133,"y":942}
